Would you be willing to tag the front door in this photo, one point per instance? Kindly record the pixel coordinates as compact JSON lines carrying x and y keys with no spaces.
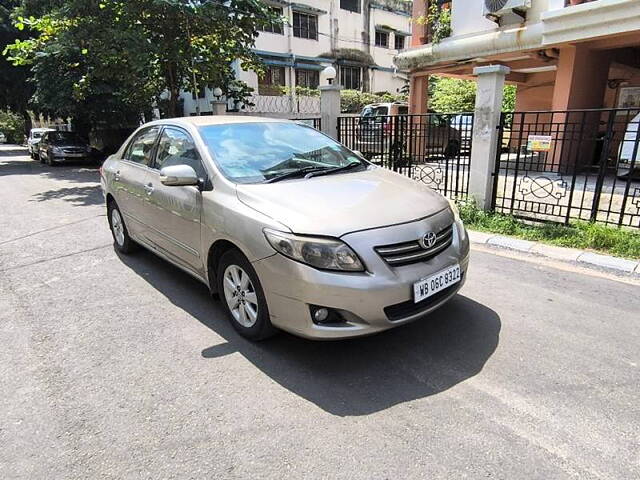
{"x":130,"y":180}
{"x":175,"y":212}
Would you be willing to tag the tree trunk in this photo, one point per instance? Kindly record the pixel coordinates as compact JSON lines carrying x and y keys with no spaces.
{"x":28,"y":124}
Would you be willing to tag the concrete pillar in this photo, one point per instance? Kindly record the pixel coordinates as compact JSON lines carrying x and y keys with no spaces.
{"x":485,"y":132}
{"x":219,"y":107}
{"x":418,"y":94}
{"x":330,"y":109}
{"x":418,"y":30}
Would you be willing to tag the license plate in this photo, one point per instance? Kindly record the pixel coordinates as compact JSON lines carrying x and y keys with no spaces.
{"x":428,"y":286}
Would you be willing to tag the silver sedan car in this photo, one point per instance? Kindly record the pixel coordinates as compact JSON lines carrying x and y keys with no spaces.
{"x":291,"y":229}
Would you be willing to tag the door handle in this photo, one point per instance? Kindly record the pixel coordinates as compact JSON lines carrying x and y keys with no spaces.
{"x":149,"y":188}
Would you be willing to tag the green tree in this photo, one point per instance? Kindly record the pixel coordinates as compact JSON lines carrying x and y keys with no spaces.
{"x":452,"y":95}
{"x":15,"y":90}
{"x":108,"y":61}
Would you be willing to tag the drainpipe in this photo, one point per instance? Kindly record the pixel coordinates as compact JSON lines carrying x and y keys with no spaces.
{"x":366,"y":40}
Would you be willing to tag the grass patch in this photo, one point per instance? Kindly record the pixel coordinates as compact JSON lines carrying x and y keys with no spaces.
{"x":581,"y":235}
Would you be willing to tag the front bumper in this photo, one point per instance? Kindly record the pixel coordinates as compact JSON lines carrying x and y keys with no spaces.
{"x":362,"y":299}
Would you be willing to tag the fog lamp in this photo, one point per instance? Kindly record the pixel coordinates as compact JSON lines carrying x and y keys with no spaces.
{"x":321,"y":315}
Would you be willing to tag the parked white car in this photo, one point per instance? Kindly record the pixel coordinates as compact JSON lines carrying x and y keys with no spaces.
{"x":3,"y":138}
{"x":629,"y":145}
{"x":35,"y":135}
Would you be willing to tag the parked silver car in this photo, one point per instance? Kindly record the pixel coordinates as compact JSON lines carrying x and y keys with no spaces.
{"x":290,"y":228}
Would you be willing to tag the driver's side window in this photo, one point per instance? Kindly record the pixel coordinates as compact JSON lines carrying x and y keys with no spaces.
{"x":176,"y":147}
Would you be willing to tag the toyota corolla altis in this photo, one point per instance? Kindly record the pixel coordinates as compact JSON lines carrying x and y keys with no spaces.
{"x":291,"y":229}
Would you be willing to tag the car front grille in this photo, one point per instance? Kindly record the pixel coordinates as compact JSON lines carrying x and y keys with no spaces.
{"x":408,"y":253}
{"x":73,"y":150}
{"x":404,"y":310}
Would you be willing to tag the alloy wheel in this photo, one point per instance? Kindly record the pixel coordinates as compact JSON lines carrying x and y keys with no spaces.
{"x":117,"y":226}
{"x":240,"y":295}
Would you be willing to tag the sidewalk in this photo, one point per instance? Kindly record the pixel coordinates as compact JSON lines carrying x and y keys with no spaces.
{"x":583,"y":257}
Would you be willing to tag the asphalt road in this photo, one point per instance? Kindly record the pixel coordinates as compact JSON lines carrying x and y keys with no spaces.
{"x":117,"y":367}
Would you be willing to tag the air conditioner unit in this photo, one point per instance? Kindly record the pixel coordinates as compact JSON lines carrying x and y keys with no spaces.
{"x":495,"y":9}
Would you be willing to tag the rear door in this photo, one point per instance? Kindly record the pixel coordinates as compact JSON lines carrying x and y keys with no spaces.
{"x":174,"y":213}
{"x":130,"y":180}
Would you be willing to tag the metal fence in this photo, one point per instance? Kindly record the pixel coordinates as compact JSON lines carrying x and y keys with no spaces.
{"x":570,"y":165}
{"x":312,"y":122}
{"x":432,"y":148}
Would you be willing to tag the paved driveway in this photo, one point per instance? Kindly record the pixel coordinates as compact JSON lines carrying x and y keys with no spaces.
{"x":117,"y":367}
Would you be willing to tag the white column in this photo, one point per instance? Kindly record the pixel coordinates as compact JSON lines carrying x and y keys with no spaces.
{"x":330,"y":109}
{"x":219,"y":107}
{"x":485,"y":132}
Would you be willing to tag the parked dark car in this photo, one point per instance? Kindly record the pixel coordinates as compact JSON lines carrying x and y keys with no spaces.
{"x":57,"y":147}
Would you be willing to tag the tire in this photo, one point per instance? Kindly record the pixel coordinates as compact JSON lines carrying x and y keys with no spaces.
{"x":452,"y":149}
{"x":247,"y":295}
{"x":122,"y":242}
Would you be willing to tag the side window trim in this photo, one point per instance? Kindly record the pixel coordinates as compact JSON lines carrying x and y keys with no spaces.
{"x":181,"y":130}
{"x":154,"y":149}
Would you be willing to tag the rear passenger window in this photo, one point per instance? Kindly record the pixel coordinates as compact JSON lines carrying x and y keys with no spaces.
{"x":176,"y":147}
{"x":141,"y":147}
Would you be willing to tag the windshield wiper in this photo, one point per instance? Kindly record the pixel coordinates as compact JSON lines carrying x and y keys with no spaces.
{"x":329,"y":171}
{"x":296,"y":173}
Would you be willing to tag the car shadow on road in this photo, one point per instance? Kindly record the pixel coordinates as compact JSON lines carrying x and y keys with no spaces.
{"x":350,"y":377}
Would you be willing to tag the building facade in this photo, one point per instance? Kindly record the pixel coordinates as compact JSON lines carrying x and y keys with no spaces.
{"x":562,"y":54}
{"x":360,"y":38}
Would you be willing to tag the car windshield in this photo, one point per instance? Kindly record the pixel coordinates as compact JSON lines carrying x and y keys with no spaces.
{"x":64,"y":137}
{"x":37,"y":134}
{"x":259,"y":152}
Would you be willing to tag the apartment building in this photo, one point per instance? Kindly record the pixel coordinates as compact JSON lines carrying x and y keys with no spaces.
{"x":360,"y":38}
{"x":562,"y":54}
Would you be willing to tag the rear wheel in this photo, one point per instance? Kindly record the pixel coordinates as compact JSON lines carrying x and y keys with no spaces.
{"x":121,"y":239}
{"x":242,"y":297}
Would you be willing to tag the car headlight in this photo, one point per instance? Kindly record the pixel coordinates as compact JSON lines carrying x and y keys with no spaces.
{"x":323,"y":253}
{"x":56,"y":150}
{"x":88,"y":149}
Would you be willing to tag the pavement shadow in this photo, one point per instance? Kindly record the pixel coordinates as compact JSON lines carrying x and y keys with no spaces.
{"x":78,"y":196}
{"x":351,"y":377}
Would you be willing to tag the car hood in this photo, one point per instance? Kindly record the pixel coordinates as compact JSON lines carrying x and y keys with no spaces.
{"x":335,"y":205}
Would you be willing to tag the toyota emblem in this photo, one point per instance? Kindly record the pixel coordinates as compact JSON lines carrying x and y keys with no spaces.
{"x":428,"y":240}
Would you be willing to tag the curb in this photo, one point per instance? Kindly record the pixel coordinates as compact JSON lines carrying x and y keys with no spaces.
{"x":583,"y":257}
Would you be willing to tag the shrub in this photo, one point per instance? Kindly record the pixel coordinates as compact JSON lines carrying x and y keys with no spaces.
{"x":12,"y":125}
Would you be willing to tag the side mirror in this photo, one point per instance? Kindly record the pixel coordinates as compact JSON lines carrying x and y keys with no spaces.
{"x":178,"y":176}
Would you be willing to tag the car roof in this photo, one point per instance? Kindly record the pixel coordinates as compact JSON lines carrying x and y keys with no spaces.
{"x":208,"y":120}
{"x":39,"y":129}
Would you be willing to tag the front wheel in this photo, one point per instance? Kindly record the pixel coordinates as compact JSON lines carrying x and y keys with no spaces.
{"x":243,"y":297}
{"x":121,"y":239}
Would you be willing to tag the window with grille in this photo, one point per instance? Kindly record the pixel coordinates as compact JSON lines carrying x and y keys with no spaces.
{"x":382,"y":39}
{"x":305,"y":25}
{"x":351,"y":5}
{"x":399,"y":42}
{"x":307,"y":78}
{"x":272,"y":81}
{"x":350,"y":77}
{"x":274,"y":27}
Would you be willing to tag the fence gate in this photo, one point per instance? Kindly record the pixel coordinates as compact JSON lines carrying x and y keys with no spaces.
{"x":432,"y":148}
{"x":569,"y":165}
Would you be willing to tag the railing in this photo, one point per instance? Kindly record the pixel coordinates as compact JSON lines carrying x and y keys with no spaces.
{"x":434,"y":149}
{"x":560,"y":166}
{"x":312,"y":122}
{"x":282,"y":104}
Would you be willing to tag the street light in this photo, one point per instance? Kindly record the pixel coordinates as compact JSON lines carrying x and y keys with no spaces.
{"x":330,"y":74}
{"x":217,"y":92}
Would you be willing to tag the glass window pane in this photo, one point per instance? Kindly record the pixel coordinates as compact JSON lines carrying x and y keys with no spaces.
{"x":141,"y":147}
{"x":176,"y":147}
{"x":253,"y":152}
